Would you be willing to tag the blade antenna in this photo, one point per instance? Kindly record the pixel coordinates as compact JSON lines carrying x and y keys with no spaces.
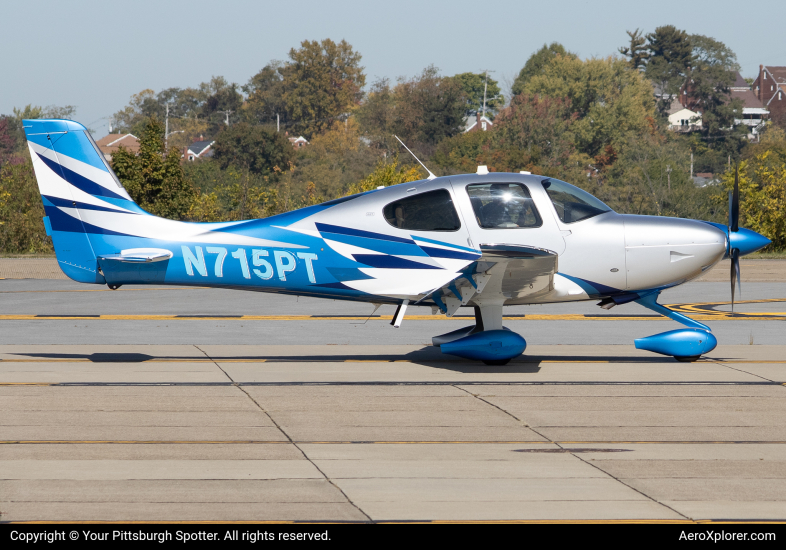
{"x":431,"y":176}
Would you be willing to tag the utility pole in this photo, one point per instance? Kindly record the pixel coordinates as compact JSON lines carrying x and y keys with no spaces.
{"x":485,"y":88}
{"x":278,"y":124}
{"x":668,"y":176}
{"x":691,"y":164}
{"x":227,"y":113}
{"x":166,"y":128}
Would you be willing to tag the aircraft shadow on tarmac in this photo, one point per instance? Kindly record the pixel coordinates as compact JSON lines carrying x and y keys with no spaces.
{"x":427,"y":356}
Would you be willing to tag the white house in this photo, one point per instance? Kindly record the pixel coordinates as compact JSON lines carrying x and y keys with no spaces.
{"x":682,"y":119}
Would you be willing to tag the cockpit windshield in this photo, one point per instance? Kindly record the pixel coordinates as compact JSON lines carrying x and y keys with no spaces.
{"x":503,"y":206}
{"x":571,"y":203}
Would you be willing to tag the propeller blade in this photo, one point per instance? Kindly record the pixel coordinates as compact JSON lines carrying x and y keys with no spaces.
{"x":735,"y":274}
{"x":734,"y":205}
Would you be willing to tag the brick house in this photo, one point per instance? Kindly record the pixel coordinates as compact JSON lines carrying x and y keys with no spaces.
{"x":111,"y":143}
{"x":770,"y":89}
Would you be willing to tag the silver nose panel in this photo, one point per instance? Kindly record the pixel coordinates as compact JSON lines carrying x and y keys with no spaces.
{"x":663,"y":251}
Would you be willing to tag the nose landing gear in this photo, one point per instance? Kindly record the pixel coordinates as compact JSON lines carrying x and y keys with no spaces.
{"x":687,"y":344}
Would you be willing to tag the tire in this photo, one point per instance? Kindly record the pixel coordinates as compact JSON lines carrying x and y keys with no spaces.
{"x":688,"y":359}
{"x":497,"y":362}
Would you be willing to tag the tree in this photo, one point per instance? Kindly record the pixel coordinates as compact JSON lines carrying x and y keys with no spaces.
{"x":322,"y":81}
{"x":613,"y":102}
{"x":265,"y":91}
{"x":710,"y":78}
{"x":636,"y":52}
{"x":762,"y":187}
{"x":533,"y":133}
{"x":258,"y":149}
{"x":21,"y":210}
{"x":387,"y":173}
{"x":428,"y":108}
{"x":192,"y":111}
{"x":155,"y":178}
{"x":8,"y":138}
{"x":537,"y":62}
{"x":474,"y":87}
{"x":669,"y":58}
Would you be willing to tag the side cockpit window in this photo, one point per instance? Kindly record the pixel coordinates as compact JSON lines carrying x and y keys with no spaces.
{"x":503,"y":206}
{"x":571,"y":203}
{"x":430,"y":211}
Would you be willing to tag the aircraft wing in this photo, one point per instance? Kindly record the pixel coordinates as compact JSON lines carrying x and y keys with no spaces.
{"x":505,"y":273}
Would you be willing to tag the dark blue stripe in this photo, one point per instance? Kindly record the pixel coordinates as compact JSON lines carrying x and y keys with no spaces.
{"x":432,"y":241}
{"x":57,"y":201}
{"x":348,"y":274}
{"x":326,"y":228}
{"x":80,"y":182}
{"x":442,"y":253}
{"x":63,"y":222}
{"x":390,"y":262}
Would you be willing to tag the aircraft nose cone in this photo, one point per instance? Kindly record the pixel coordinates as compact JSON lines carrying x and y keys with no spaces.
{"x":747,"y":241}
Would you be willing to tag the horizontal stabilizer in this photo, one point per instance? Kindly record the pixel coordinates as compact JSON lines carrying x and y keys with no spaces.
{"x":138,"y":255}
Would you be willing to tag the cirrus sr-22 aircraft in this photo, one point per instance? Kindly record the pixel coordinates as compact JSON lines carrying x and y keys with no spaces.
{"x":485,"y":240}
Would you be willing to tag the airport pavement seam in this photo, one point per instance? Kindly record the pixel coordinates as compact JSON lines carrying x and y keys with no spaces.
{"x":721,"y":362}
{"x":285,"y":434}
{"x":575,"y":454}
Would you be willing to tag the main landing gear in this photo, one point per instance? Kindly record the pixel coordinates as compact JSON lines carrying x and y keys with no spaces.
{"x":487,"y":340}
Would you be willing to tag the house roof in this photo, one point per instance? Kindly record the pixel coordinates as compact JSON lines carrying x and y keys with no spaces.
{"x":740,"y":83}
{"x":778,"y":74}
{"x":471,"y":121}
{"x":749,"y":99}
{"x":110,"y":143}
{"x":199,"y":147}
{"x":675,"y":107}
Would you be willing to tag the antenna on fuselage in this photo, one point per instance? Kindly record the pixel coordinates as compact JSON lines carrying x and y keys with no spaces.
{"x":431,"y":176}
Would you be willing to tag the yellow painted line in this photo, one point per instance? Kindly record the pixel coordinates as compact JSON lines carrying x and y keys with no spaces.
{"x":25,"y":384}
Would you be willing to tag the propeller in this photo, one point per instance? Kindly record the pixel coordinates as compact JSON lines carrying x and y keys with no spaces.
{"x":734,"y":227}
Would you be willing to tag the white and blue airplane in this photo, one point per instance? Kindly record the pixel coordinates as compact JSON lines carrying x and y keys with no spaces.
{"x":484,"y":240}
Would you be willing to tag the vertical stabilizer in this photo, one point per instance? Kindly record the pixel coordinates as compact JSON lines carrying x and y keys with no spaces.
{"x":74,"y":179}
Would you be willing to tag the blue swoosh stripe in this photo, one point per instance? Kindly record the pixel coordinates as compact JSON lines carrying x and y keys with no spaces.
{"x":338,"y":230}
{"x":80,"y":182}
{"x":68,"y":224}
{"x":453,"y":254}
{"x":390,"y":262}
{"x":57,"y":201}
{"x":432,"y":241}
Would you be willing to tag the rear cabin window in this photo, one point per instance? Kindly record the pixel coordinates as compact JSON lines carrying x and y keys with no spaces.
{"x":430,"y":211}
{"x":503,"y":206}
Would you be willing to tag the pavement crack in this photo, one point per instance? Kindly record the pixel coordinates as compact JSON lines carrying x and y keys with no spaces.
{"x":285,"y":434}
{"x":544,"y":436}
{"x":216,"y":364}
{"x":744,"y":371}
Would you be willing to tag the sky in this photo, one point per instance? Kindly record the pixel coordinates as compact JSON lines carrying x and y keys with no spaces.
{"x":96,"y":54}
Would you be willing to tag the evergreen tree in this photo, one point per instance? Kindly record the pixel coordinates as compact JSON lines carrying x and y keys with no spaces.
{"x":636,"y":52}
{"x":155,"y":178}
